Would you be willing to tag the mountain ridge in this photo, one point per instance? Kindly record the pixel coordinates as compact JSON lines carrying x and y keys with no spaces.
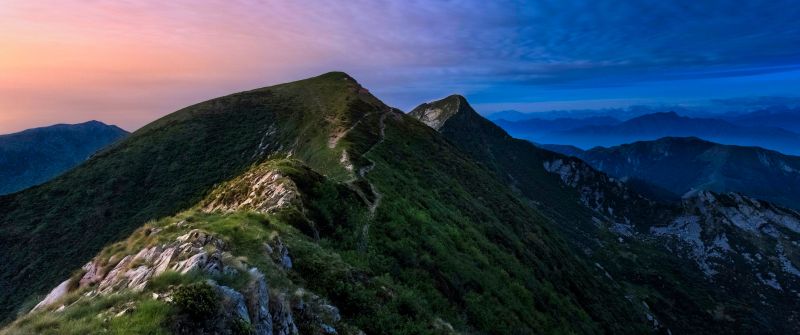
{"x":657,"y":125}
{"x":680,"y":164}
{"x":33,"y":156}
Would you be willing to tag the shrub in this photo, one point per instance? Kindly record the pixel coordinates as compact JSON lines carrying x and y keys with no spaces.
{"x":241,"y":327}
{"x":197,"y":300}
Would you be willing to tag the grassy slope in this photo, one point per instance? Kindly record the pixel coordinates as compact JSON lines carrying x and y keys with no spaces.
{"x":159,"y":170}
{"x":475,"y":247}
{"x":455,"y":260}
{"x":647,"y":271}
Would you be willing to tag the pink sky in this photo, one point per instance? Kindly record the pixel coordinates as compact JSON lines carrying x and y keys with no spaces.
{"x":129,"y":62}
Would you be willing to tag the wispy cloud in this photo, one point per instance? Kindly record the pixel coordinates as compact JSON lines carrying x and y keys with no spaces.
{"x":131,"y":61}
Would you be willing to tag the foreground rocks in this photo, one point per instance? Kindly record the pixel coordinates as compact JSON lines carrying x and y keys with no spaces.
{"x":265,"y":311}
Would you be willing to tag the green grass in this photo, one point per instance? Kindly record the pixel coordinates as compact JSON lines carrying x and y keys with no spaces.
{"x":162,"y":169}
{"x":92,"y":316}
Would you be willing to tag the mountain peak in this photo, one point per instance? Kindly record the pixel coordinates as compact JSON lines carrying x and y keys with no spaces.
{"x":436,"y":113}
{"x":336,"y":75}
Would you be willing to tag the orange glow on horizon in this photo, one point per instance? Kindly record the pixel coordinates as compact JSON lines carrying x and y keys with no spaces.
{"x":128,"y":63}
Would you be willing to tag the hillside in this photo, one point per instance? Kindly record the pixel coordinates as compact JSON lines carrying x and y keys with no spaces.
{"x":304,"y":207}
{"x":691,"y":264}
{"x":34,"y":156}
{"x":680,"y":165}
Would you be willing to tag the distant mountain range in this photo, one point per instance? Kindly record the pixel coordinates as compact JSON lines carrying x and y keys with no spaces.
{"x":535,"y":127}
{"x":587,"y":133}
{"x":777,"y":117}
{"x":681,"y":165}
{"x":616,"y":113}
{"x":36,"y":155}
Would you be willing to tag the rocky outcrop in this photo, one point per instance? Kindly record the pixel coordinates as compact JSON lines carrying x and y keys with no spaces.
{"x":435,"y":114}
{"x":257,"y":294}
{"x":279,"y":252}
{"x":716,"y":230}
{"x":745,"y":213}
{"x":282,"y":316}
{"x":193,"y":251}
{"x":57,"y":293}
{"x":609,"y":198}
{"x":233,"y":303}
{"x":263,"y":189}
{"x":267,"y":311}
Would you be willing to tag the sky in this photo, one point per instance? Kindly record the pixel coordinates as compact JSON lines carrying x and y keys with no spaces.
{"x":130,"y":62}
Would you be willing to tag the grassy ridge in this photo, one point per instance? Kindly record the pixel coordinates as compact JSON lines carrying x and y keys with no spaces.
{"x":167,"y":166}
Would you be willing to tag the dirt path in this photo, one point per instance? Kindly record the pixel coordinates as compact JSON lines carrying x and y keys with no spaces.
{"x":334,"y":140}
{"x":362,"y":172}
{"x":361,"y":175}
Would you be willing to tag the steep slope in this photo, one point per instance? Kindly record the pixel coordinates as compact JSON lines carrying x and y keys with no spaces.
{"x":521,"y":164}
{"x":683,"y":164}
{"x":676,"y":269}
{"x":658,"y":125}
{"x":37,"y":155}
{"x":383,"y":218}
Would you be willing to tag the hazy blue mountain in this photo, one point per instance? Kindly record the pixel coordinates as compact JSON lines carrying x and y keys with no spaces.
{"x":622,"y":114}
{"x":658,"y":125}
{"x":778,"y":117}
{"x":36,"y":155}
{"x":684,"y":164}
{"x":509,"y":115}
{"x":569,"y":150}
{"x":538,"y":127}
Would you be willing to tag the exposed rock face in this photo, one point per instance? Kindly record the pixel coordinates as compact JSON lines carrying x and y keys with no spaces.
{"x":58,"y":292}
{"x":279,"y":252}
{"x":233,"y":303}
{"x":262,"y":189}
{"x":257,"y":294}
{"x":93,"y":275}
{"x":717,"y":229}
{"x":568,"y":171}
{"x":282,"y":317}
{"x":188,"y":253}
{"x":744,"y":212}
{"x":608,"y":197}
{"x":194,"y":251}
{"x":436,"y":114}
{"x":312,"y":309}
{"x":267,"y":311}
